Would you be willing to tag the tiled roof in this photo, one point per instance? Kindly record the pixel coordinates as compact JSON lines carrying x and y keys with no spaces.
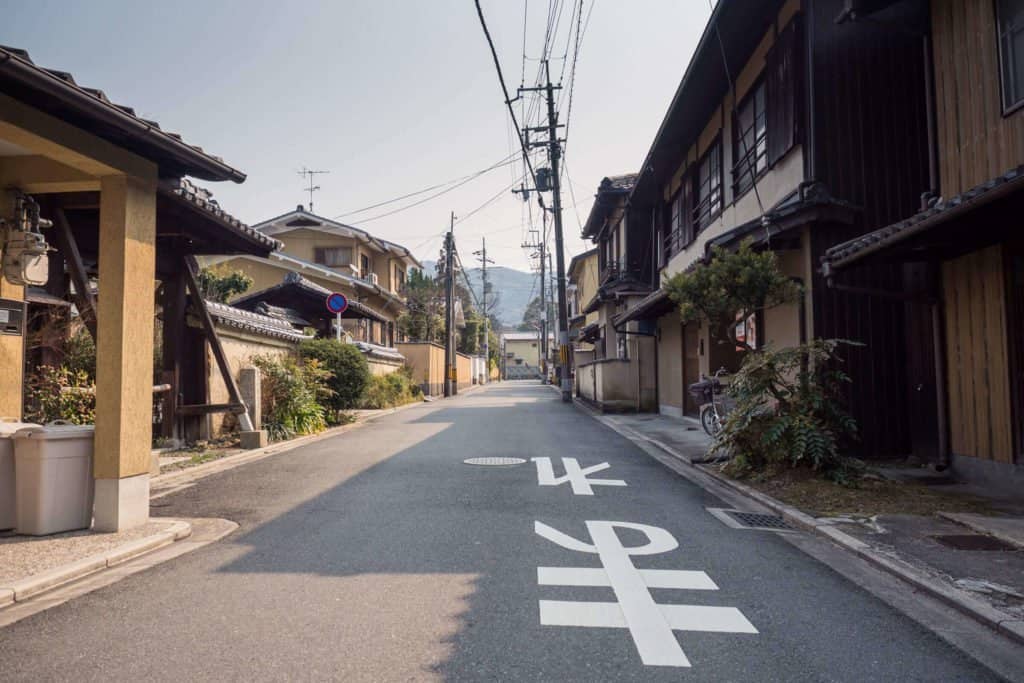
{"x":379,"y":352}
{"x":202,"y":199}
{"x":940,"y":212}
{"x":624,"y":182}
{"x":91,"y":109}
{"x":229,"y":316}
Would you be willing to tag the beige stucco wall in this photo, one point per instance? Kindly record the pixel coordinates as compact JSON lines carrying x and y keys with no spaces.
{"x":380,"y":367}
{"x":12,"y":348}
{"x":302,"y":244}
{"x":464,"y":368}
{"x":239,"y":348}
{"x":427,"y":362}
{"x":528,"y":350}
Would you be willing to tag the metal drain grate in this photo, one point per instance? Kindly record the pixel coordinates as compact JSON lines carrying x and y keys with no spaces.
{"x":750,"y":520}
{"x":972,"y":542}
{"x":494,"y":461}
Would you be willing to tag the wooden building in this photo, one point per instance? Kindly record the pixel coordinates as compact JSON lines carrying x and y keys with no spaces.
{"x":112,"y":185}
{"x":781,"y":133}
{"x":963,"y":253}
{"x":620,"y":373}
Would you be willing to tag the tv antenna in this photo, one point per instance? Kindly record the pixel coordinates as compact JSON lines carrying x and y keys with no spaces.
{"x":312,"y":188}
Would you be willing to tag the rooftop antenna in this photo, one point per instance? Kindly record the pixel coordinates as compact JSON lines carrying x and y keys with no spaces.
{"x":312,"y":188}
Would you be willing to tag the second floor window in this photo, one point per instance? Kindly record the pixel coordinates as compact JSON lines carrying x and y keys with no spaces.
{"x":680,"y":219}
{"x":364,"y":265}
{"x":1010,"y":19}
{"x":333,"y":257}
{"x":750,"y":141}
{"x":708,"y":187}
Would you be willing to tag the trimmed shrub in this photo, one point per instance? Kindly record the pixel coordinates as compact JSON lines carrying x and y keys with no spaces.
{"x":348,"y":367}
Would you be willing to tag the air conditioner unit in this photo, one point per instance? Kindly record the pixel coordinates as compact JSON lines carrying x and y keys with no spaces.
{"x":373,"y":279}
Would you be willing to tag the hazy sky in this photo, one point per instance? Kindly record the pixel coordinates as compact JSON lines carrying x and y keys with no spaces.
{"x":391,"y":97}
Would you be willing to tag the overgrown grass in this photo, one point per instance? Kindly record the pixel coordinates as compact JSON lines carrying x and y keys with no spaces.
{"x":390,"y":391}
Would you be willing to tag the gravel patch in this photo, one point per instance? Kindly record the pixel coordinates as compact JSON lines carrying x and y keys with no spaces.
{"x":24,"y":556}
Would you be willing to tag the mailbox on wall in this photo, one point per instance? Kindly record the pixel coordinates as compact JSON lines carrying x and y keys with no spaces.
{"x":12,"y":317}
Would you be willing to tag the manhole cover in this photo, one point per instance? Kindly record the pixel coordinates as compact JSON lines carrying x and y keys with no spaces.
{"x":972,"y":542}
{"x":494,"y":461}
{"x":750,"y":520}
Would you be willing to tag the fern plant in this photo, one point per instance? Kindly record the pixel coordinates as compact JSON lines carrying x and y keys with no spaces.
{"x":789,"y":412}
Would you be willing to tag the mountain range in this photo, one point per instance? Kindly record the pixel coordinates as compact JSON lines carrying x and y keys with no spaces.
{"x":514,"y":288}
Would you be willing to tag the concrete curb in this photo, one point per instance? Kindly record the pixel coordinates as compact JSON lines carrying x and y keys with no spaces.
{"x":19,"y":591}
{"x":165,"y":483}
{"x":962,"y":601}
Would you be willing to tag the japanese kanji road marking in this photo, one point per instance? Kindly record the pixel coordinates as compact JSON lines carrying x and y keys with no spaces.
{"x":650,"y":624}
{"x":574,"y":474}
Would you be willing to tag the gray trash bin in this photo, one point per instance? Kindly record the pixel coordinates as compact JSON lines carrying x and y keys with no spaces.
{"x":53,"y":476}
{"x":7,"y":508}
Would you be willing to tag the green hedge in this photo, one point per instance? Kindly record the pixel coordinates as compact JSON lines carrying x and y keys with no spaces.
{"x":348,"y":367}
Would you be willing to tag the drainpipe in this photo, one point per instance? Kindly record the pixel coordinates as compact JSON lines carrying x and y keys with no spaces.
{"x":938,"y":342}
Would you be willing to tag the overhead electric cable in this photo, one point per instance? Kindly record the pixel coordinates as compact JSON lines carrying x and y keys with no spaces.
{"x":508,"y":160}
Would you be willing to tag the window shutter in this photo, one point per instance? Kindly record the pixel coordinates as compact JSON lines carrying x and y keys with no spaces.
{"x":782,"y":79}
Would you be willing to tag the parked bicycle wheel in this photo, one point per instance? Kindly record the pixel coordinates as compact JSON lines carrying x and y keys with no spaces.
{"x":709,"y":420}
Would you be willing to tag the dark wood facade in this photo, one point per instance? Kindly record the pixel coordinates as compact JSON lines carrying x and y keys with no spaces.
{"x":867,"y":144}
{"x":976,"y":140}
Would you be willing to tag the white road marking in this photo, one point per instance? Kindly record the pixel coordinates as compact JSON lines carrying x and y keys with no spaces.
{"x":650,"y":624}
{"x":574,"y":475}
{"x":654,"y":578}
{"x":609,"y":615}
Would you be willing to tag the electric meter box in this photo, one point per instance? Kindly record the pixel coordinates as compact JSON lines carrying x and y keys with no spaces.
{"x":12,"y":317}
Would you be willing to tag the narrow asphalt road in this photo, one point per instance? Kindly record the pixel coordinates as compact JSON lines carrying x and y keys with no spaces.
{"x":379,"y":555}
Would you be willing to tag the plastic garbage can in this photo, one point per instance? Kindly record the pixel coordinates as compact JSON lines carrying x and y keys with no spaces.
{"x":53,"y":478}
{"x":7,"y":508}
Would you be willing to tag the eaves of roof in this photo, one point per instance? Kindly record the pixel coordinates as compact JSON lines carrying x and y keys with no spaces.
{"x":842,"y":255}
{"x":740,"y":25}
{"x":57,"y":93}
{"x":199,"y":200}
{"x":278,"y":225}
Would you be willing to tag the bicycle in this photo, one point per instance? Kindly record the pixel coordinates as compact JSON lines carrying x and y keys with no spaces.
{"x":712,"y":411}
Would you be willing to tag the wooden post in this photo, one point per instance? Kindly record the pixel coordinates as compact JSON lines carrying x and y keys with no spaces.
{"x":84,"y":300}
{"x":191,"y":273}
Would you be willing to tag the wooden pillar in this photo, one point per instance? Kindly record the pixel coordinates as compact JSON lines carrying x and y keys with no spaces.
{"x":124,"y":352}
{"x":174,"y":343}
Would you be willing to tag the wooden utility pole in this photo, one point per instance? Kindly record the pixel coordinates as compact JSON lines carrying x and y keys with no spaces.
{"x":482,"y":255}
{"x":450,"y":380}
{"x":555,"y":151}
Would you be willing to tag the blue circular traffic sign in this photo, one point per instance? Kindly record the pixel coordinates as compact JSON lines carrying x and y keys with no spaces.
{"x":337,"y":302}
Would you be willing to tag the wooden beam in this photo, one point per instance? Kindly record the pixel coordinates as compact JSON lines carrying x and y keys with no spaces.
{"x":83,"y":297}
{"x":191,"y":278}
{"x":204,"y":408}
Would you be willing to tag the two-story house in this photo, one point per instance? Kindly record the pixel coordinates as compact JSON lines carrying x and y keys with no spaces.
{"x":781,"y":132}
{"x":620,"y":375}
{"x":321,"y":255}
{"x":964,"y":244}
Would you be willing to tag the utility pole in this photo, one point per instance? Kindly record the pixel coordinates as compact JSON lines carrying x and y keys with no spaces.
{"x":312,"y":188}
{"x":487,"y":318}
{"x":449,"y":310}
{"x":543,"y":304}
{"x":555,"y":152}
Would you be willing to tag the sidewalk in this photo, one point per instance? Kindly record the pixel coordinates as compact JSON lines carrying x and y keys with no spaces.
{"x":30,"y":565}
{"x":973,"y":561}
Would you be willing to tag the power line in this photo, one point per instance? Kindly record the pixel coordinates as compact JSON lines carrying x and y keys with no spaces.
{"x":504,"y":90}
{"x":507,"y":161}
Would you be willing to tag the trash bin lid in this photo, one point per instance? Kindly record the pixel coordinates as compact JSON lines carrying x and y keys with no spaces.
{"x":55,"y":430}
{"x":9,"y":427}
